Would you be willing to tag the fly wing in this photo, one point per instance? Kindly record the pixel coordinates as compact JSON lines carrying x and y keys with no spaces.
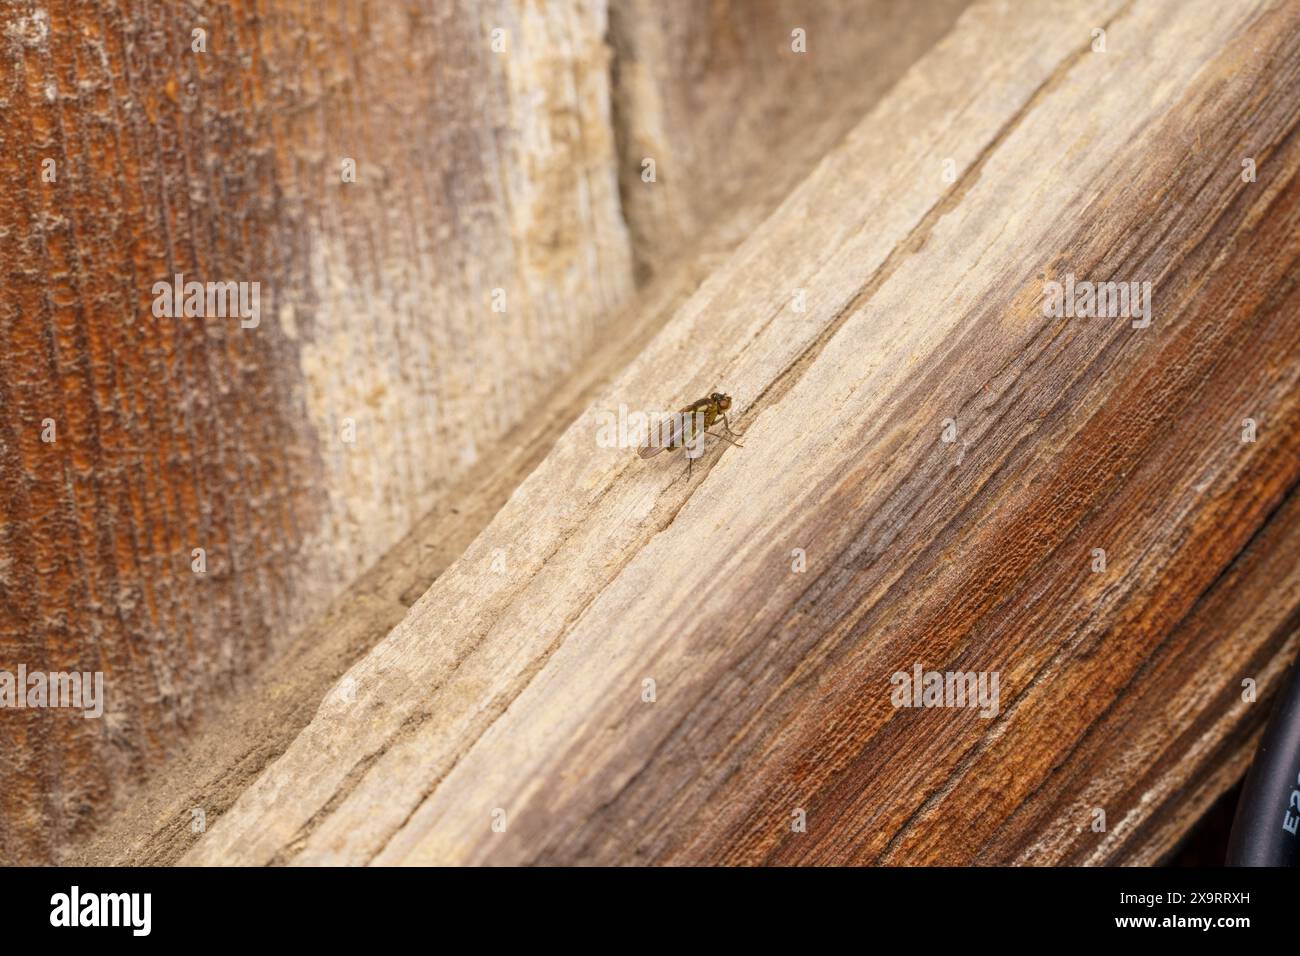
{"x":676,"y":429}
{"x":665,"y":433}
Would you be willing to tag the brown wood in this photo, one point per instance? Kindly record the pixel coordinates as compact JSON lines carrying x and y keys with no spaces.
{"x":519,"y":689}
{"x":520,"y":581}
{"x":376,"y":307}
{"x":266,"y":711}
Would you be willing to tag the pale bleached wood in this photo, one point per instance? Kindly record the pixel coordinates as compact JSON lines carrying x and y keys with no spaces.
{"x":732,"y":116}
{"x":475,"y":170}
{"x":153,"y":824}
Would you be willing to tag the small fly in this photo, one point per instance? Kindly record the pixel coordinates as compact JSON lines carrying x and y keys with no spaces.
{"x":689,"y":426}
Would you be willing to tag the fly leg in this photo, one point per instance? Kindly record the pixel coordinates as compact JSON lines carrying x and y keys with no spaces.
{"x":727,"y":425}
{"x":687,"y":476}
{"x":725,"y":438}
{"x":693,"y":445}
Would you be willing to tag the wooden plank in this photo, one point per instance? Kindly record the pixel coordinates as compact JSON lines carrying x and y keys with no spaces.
{"x":475,"y":170}
{"x":519,"y":688}
{"x":735,"y":108}
{"x":1154,"y":783}
{"x":152,"y":824}
{"x":259,"y":718}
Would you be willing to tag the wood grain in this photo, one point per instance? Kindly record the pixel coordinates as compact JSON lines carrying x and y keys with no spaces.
{"x":475,"y":171}
{"x":151,"y":824}
{"x":733,"y":117}
{"x":518,"y":688}
{"x":252,"y":723}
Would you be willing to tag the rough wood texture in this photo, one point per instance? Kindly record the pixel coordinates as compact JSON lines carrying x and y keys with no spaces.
{"x":1246,"y":625}
{"x":519,"y":689}
{"x":266,"y":710}
{"x":734,"y":117}
{"x":475,"y":171}
{"x":153,"y":824}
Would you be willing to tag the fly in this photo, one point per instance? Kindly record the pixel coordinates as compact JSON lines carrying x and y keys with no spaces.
{"x":689,"y":426}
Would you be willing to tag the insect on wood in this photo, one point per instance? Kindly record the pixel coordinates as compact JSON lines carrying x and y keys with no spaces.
{"x":687,"y":428}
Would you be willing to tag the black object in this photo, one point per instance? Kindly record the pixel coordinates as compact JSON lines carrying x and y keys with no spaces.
{"x":1266,"y":830}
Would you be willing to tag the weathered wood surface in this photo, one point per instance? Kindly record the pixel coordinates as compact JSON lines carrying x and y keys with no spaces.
{"x":1181,"y":734}
{"x":515,"y":693}
{"x":474,"y":171}
{"x":254,"y":725}
{"x":735,"y":108}
{"x":265,"y":710}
